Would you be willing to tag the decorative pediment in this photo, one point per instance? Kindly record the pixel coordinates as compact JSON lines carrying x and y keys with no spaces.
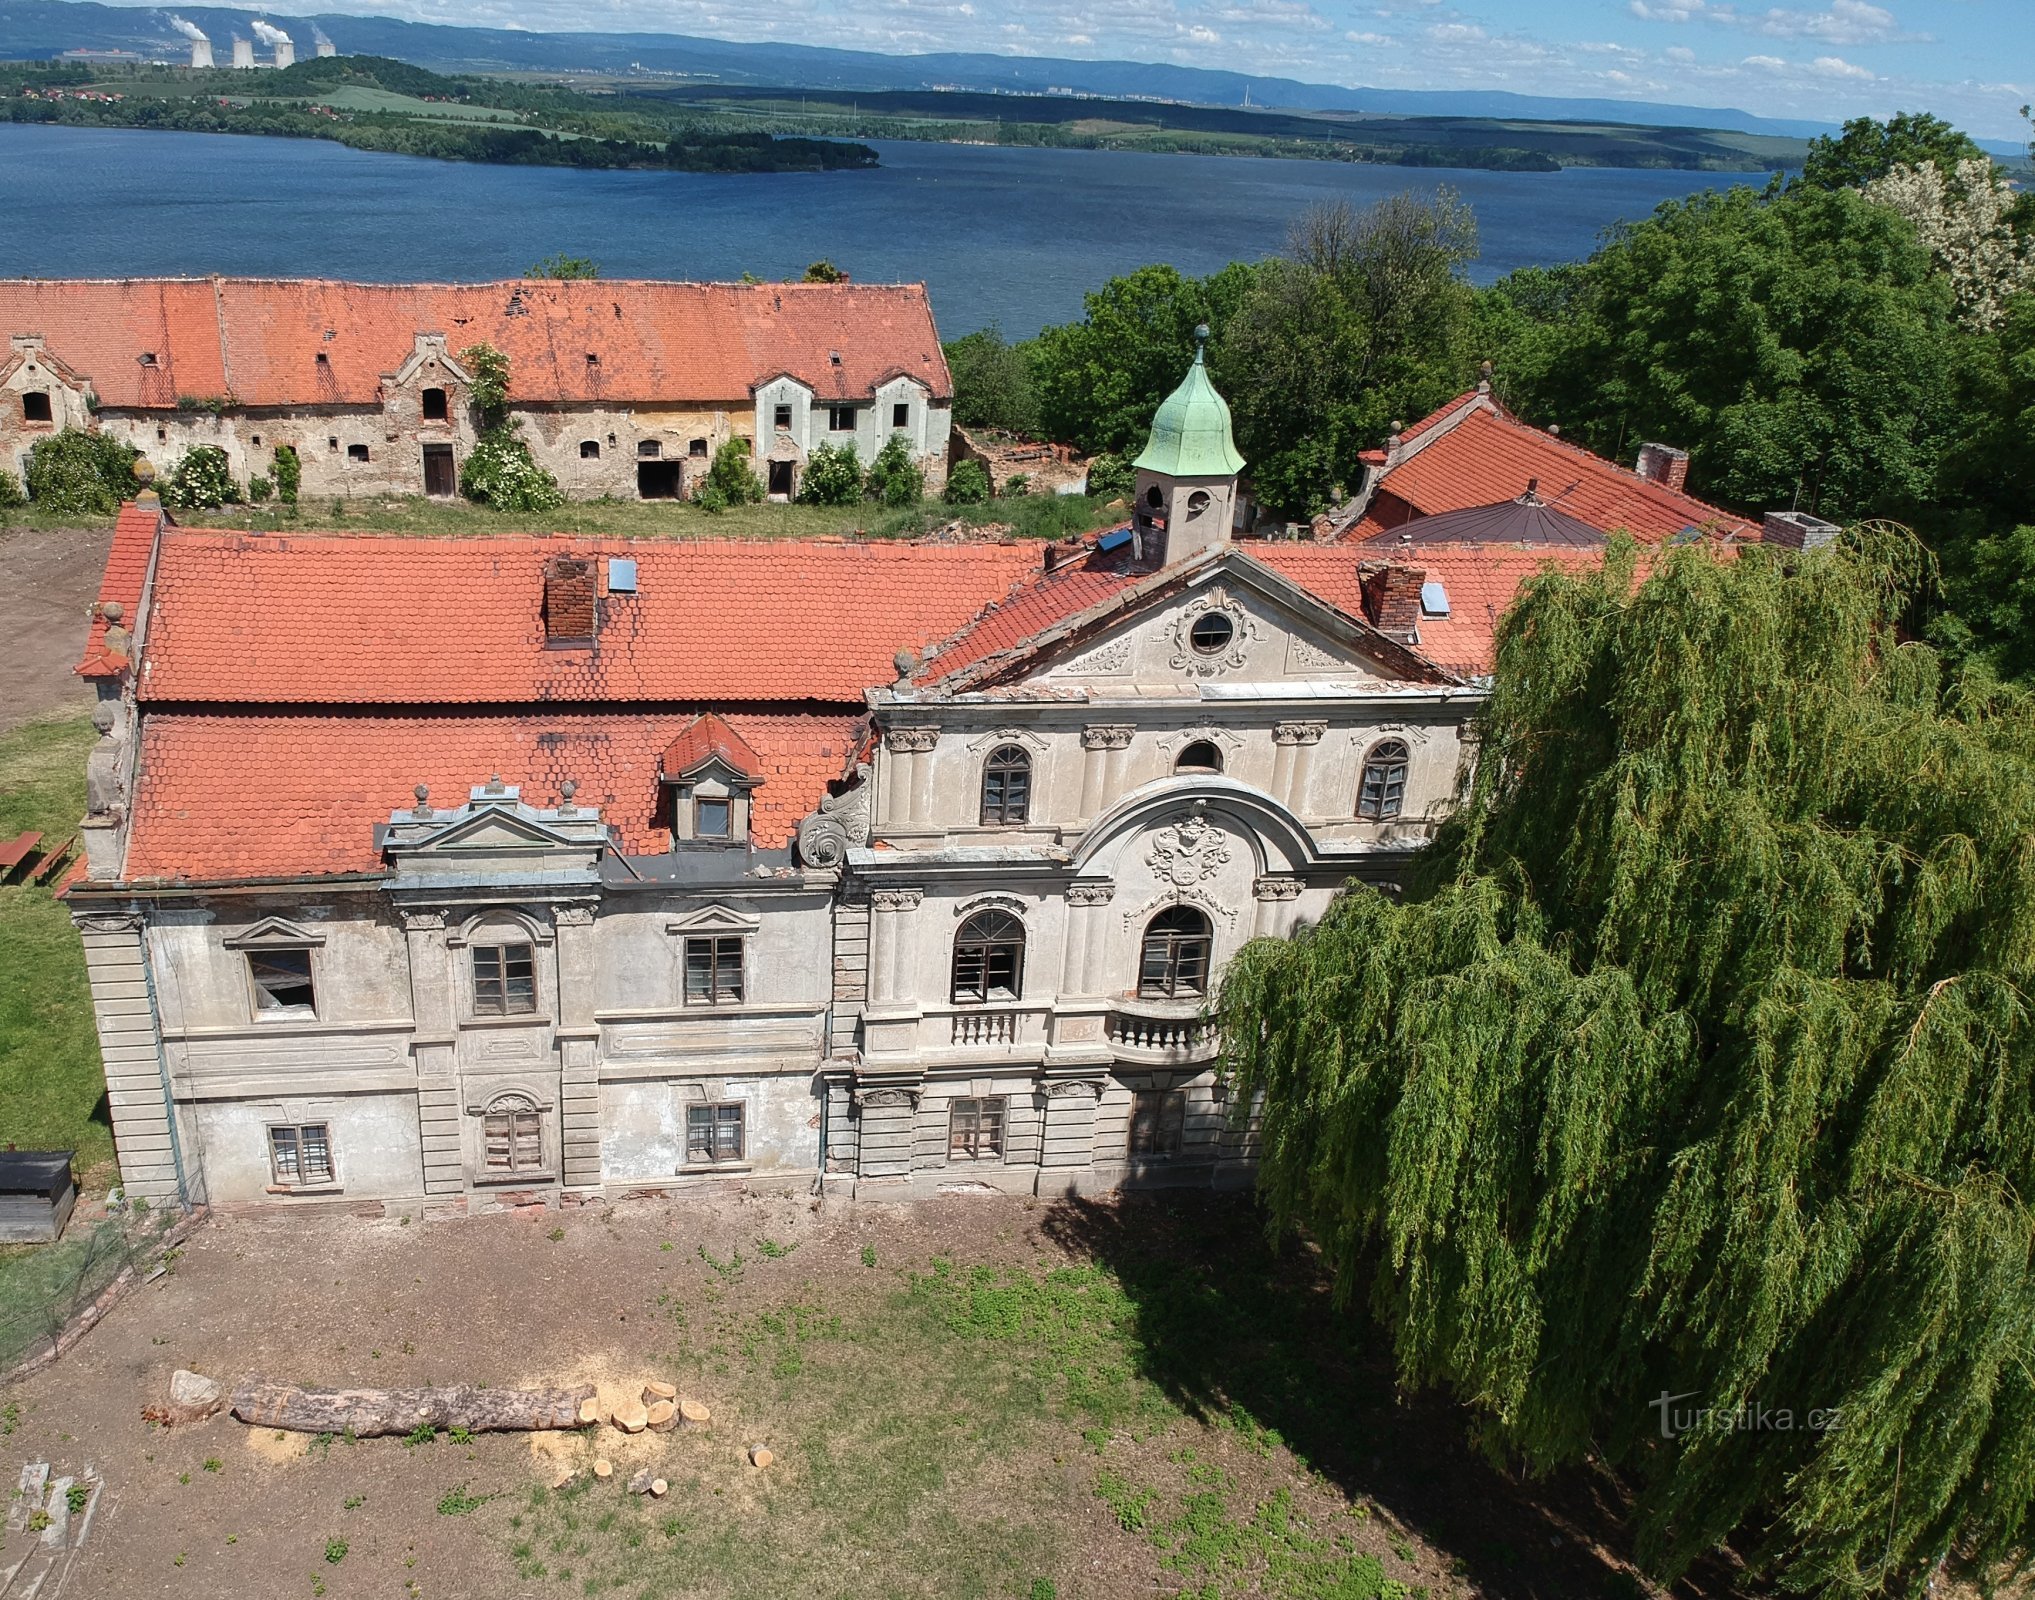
{"x":429,"y":347}
{"x":1025,"y":738}
{"x":715,"y":918}
{"x":494,"y":828}
{"x":275,"y":933}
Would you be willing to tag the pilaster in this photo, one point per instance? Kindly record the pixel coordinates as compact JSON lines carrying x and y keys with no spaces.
{"x":1275,"y":899}
{"x":1102,"y":757}
{"x":1292,"y":761}
{"x":579,"y":1090}
{"x":434,"y":1048}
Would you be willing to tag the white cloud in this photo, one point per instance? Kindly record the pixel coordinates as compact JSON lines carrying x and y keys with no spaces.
{"x":1838,"y":67}
{"x":1766,"y":63}
{"x":1680,"y":54}
{"x":1840,"y":22}
{"x":1457,"y":33}
{"x":1377,"y":41}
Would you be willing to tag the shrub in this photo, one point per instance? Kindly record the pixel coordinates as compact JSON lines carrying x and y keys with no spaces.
{"x":833,"y":477}
{"x":10,"y":492}
{"x":730,"y":480}
{"x":499,"y":472}
{"x":80,"y":473}
{"x":967,"y":484}
{"x":204,"y":478}
{"x":289,"y":473}
{"x":259,"y":488}
{"x":894,"y":478}
{"x":1110,"y":477}
{"x":1016,"y":486}
{"x":487,"y":383}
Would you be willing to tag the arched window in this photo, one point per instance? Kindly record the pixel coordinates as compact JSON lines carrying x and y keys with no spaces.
{"x":435,"y":409}
{"x":589,"y":449}
{"x":989,"y":958}
{"x":512,"y":1135}
{"x":1174,"y":961}
{"x":1382,"y":789}
{"x":1200,"y":756}
{"x":1006,"y":786}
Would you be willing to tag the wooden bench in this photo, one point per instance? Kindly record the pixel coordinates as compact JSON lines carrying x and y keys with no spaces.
{"x":54,"y":861}
{"x":15,"y":852}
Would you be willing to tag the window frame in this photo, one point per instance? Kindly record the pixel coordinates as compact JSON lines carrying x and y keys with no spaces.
{"x":512,"y":1110}
{"x":500,"y":949}
{"x":709,"y":1154}
{"x":1392,"y":761}
{"x":981,"y":1112}
{"x":1221,"y":619}
{"x":303,"y":1182}
{"x":780,"y":415}
{"x":716,"y":953}
{"x":1179,"y":955}
{"x":443,"y":413}
{"x":725,"y":811}
{"x":256,"y":987}
{"x":900,"y":415}
{"x":49,"y":408}
{"x":1006,"y":768}
{"x":980,"y":954}
{"x":1154,"y":1114}
{"x":1182,"y":764}
{"x":834,"y":416}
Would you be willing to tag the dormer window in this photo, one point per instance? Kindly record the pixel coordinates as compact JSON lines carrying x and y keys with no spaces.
{"x":713,"y":817}
{"x":711,"y":773}
{"x":323,"y":359}
{"x":148,"y":358}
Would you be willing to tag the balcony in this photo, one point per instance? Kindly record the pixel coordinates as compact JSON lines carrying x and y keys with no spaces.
{"x":1162,"y":1032}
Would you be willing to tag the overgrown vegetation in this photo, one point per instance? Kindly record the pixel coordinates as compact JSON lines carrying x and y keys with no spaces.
{"x":74,"y":473}
{"x":499,"y":470}
{"x":203,"y":478}
{"x":731,"y":481}
{"x":1698,"y":1065}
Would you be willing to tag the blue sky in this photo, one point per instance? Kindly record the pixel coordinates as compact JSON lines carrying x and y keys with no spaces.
{"x":1972,"y":61}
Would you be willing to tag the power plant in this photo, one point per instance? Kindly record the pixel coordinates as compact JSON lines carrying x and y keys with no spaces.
{"x":282,"y":49}
{"x":243,"y":52}
{"x":201,"y":47}
{"x":277,"y":41}
{"x":322,"y":45}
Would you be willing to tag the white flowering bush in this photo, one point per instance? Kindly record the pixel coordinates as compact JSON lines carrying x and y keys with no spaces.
{"x":1962,"y":219}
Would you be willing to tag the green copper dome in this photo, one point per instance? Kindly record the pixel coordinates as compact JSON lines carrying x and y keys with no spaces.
{"x":1191,"y":429}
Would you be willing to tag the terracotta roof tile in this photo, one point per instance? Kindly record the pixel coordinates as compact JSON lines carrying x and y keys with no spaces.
{"x":225,"y":796}
{"x":259,"y":339}
{"x":705,"y":738}
{"x":348,"y":619}
{"x":126,"y":572}
{"x":1026,"y":612}
{"x":1489,"y":457}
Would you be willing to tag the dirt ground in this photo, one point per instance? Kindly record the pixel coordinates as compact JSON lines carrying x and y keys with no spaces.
{"x":922,"y":1374}
{"x":48,"y":580}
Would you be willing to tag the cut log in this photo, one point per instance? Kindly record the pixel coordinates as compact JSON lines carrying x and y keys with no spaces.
{"x":589,"y":1413}
{"x":631,"y":1416}
{"x":653,"y":1391}
{"x":364,"y":1413}
{"x":663,"y":1416}
{"x":691,"y":1414}
{"x":659,"y":1488}
{"x":760,"y":1456}
{"x":604,"y":1469}
{"x":639,"y":1482}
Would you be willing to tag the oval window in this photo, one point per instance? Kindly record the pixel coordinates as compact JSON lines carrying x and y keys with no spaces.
{"x":1154,"y":498}
{"x":1212,"y":633}
{"x":1197,"y":502}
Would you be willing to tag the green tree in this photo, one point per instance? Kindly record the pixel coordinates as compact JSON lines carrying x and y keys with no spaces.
{"x":11,"y":495}
{"x":833,"y":477}
{"x":288,"y":473}
{"x":730,"y":481}
{"x":992,"y":383}
{"x":75,"y":473}
{"x":202,"y":479}
{"x":1699,"y":1063}
{"x":1797,"y":343}
{"x":562,"y":265}
{"x":1866,"y":149}
{"x":967,"y":484}
{"x":894,"y":477}
{"x":824,"y":271}
{"x":499,"y":470}
{"x":1099,"y":380}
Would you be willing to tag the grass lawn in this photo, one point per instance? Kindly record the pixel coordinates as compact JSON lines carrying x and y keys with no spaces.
{"x":51,"y":1087}
{"x":1029,"y":517}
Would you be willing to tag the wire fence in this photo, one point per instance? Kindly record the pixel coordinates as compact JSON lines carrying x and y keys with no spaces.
{"x":51,"y":1293}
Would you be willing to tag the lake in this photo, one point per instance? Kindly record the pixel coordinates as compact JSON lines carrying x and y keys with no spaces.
{"x":1009,"y":236}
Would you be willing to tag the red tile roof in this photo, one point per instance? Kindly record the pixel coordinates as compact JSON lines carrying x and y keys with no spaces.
{"x":709,"y":738}
{"x":1045,"y":602}
{"x":354,"y":619}
{"x":1489,"y":456}
{"x":259,"y":339}
{"x":126,"y":573}
{"x":1482,"y":581}
{"x":263,"y":796}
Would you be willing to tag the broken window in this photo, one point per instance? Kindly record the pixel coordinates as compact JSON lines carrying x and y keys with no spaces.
{"x":1006,"y":787}
{"x":841,"y":419}
{"x":504,"y":980}
{"x":35,"y":407}
{"x":435,"y":409}
{"x":589,"y":449}
{"x":782,"y":417}
{"x":901,"y":414}
{"x":713,"y":970}
{"x":1158,"y":1122}
{"x":1200,"y":756}
{"x":300,"y":1155}
{"x":697,"y":449}
{"x":282,"y":982}
{"x":648,"y":449}
{"x":713,"y":1134}
{"x":989,"y":958}
{"x":356,"y":452}
{"x":1173,"y":963}
{"x":512,"y":1136}
{"x":975,"y":1130}
{"x":1382,"y":790}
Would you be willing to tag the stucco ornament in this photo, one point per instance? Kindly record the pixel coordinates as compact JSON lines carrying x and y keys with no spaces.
{"x":1203,"y":663}
{"x":1190,"y":850}
{"x":842,"y":820}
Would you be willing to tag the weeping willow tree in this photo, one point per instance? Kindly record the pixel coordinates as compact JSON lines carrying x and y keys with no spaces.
{"x":1681,"y":1116}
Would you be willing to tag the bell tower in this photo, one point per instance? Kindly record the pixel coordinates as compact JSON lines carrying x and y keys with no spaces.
{"x":1187,"y":475}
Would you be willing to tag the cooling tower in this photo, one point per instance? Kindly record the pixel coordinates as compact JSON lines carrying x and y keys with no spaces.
{"x":243,"y":52}
{"x":201,"y":52}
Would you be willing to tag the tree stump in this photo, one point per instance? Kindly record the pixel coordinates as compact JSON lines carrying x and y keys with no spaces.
{"x":692,"y":1414}
{"x":589,"y":1413}
{"x":364,"y":1413}
{"x":663,"y":1416}
{"x":653,"y":1391}
{"x":604,"y":1469}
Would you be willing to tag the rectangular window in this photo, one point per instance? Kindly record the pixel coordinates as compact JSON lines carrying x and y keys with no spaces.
{"x":504,"y":980}
{"x":712,"y":819}
{"x":282,"y":982}
{"x":300,"y":1156}
{"x":356,"y":452}
{"x":1158,"y":1122}
{"x":35,"y":407}
{"x":975,"y":1130}
{"x":713,"y":971}
{"x":697,"y":449}
{"x":841,"y":419}
{"x":434,"y":405}
{"x":713,"y":1134}
{"x":901,"y":414}
{"x":513,"y":1140}
{"x":985,"y":971}
{"x":781,"y":418}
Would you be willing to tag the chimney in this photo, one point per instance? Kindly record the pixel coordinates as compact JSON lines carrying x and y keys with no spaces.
{"x":1797,"y":530}
{"x":1392,"y":601}
{"x":1664,"y":465}
{"x":571,"y":615}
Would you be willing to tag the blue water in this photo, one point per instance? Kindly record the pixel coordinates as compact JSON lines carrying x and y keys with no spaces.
{"x":998,"y":235}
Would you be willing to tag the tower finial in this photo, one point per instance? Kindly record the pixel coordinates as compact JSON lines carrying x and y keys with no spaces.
{"x":1200,"y":343}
